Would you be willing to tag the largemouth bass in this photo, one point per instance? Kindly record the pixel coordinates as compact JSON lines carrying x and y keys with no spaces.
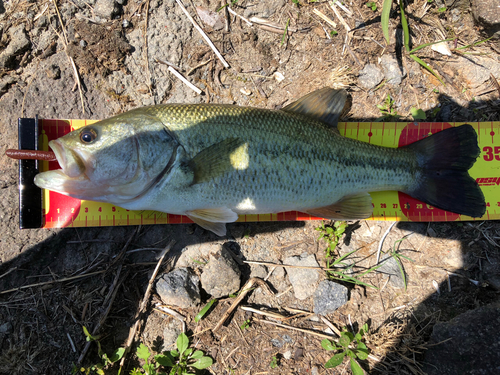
{"x":213,"y":162}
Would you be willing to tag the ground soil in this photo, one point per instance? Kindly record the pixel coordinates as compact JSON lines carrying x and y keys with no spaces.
{"x":120,"y":68}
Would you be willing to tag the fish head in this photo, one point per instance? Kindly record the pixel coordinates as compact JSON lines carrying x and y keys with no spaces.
{"x":113,"y":160}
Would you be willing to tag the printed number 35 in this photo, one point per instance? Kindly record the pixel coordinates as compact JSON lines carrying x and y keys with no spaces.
{"x":488,"y":153}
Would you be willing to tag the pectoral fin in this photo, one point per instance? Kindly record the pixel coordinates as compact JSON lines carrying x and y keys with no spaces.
{"x":218,"y":159}
{"x":213,"y":219}
{"x":325,"y":104}
{"x":353,"y":207}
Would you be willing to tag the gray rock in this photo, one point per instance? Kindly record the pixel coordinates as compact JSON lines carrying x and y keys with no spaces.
{"x":105,"y":8}
{"x":179,"y":288}
{"x":392,"y":71}
{"x":6,"y":328}
{"x":476,"y":69}
{"x":171,"y":331}
{"x":370,"y":76}
{"x":473,"y":348}
{"x":303,"y":280}
{"x":257,"y":270}
{"x":221,"y":276}
{"x":19,"y":43}
{"x":390,"y":268}
{"x":328,"y":297}
{"x":487,"y":15}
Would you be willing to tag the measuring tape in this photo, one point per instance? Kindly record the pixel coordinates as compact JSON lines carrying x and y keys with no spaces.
{"x":62,"y":211}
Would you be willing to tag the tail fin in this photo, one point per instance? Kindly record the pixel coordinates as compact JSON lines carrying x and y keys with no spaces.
{"x":445,"y":158}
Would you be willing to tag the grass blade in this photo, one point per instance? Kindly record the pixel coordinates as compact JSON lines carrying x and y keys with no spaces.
{"x":426,"y":66}
{"x":429,"y":44}
{"x":286,"y":31}
{"x":204,"y":310}
{"x":386,"y":12}
{"x":474,"y":44}
{"x":404,"y":23}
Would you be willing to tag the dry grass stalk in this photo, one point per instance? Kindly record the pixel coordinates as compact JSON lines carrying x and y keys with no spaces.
{"x":72,"y":62}
{"x":325,"y":18}
{"x":246,"y":288}
{"x":184,"y":80}
{"x":237,"y":15}
{"x":339,"y":16}
{"x":143,"y":304}
{"x":205,"y":36}
{"x":65,"y":279}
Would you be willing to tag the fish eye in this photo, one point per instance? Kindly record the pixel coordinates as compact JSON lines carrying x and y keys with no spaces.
{"x":88,"y":135}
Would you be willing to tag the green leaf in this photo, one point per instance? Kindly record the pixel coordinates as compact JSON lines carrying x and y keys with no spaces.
{"x":404,"y":24}
{"x":335,"y":360}
{"x":197,"y":354}
{"x":143,"y":352}
{"x":174,"y":353}
{"x":424,"y":64}
{"x":418,"y":114}
{"x":149,"y":368}
{"x":386,"y":12}
{"x":356,"y":368}
{"x":328,"y":345}
{"x":344,"y":340}
{"x":202,"y":363}
{"x":182,"y":342}
{"x":286,"y":31}
{"x":204,"y":310}
{"x":350,"y":353}
{"x":87,"y":334}
{"x":358,"y":336}
{"x":361,"y":354}
{"x":165,"y":360}
{"x":365,"y":327}
{"x":362,"y":346}
{"x":188,"y":352}
{"x":117,"y":355}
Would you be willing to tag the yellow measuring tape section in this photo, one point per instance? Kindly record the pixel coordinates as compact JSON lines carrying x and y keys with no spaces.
{"x":387,"y":205}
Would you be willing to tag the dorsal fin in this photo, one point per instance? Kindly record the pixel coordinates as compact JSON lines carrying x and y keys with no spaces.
{"x":325,"y":104}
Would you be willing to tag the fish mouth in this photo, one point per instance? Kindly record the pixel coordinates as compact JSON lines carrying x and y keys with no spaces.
{"x":71,"y":161}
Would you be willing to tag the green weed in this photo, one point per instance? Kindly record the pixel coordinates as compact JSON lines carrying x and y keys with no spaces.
{"x":387,"y":110}
{"x":274,"y":362}
{"x":337,"y":268}
{"x":348,"y":345}
{"x":181,"y":361}
{"x":372,"y":5}
{"x":106,"y":360}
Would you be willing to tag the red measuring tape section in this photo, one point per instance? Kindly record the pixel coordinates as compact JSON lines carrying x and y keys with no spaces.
{"x":63,"y":211}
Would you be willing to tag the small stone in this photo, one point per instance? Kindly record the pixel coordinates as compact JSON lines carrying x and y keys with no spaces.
{"x":83,"y":43}
{"x":487,"y":15}
{"x":277,"y":343}
{"x":221,"y":276}
{"x":105,"y":8}
{"x":370,"y":76}
{"x":392,"y":71}
{"x":179,"y":288}
{"x":328,"y":297}
{"x":287,"y":339}
{"x":303,"y":280}
{"x":19,"y":42}
{"x":390,"y":267}
{"x":6,"y":327}
{"x":315,"y":370}
{"x":171,"y":331}
{"x":466,"y":344}
{"x":287,"y":354}
{"x":257,"y":270}
{"x":54,"y":72}
{"x":125,"y":23}
{"x":299,"y":353}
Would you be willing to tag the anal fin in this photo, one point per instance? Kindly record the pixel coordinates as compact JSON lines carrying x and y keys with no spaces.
{"x":353,"y":207}
{"x":213,"y":219}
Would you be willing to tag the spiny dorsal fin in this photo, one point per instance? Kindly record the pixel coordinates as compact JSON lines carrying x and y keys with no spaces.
{"x":353,"y":207}
{"x":218,"y":159}
{"x":325,"y":104}
{"x":213,"y":219}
